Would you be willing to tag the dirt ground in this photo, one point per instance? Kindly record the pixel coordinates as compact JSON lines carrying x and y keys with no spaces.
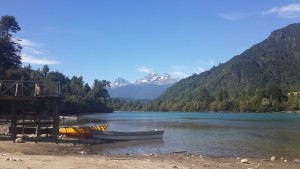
{"x":31,"y":155}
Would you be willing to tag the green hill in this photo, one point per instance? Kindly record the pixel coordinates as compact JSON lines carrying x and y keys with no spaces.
{"x":272,"y":63}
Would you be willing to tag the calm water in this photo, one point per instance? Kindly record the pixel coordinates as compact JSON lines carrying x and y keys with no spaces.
{"x":213,"y":134}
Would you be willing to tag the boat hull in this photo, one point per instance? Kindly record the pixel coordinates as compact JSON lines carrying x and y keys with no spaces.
{"x":122,"y":136}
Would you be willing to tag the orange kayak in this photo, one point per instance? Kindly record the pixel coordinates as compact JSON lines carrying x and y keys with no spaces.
{"x":76,"y":131}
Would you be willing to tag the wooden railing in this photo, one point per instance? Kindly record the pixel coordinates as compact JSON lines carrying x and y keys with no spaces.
{"x":29,"y":88}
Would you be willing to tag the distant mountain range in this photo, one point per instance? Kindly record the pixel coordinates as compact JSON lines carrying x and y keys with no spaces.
{"x":147,"y":88}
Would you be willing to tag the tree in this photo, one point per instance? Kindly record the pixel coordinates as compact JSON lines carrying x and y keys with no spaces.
{"x":76,"y":85}
{"x":45,"y":70}
{"x":98,"y":90}
{"x":10,"y":57}
{"x":86,"y":88}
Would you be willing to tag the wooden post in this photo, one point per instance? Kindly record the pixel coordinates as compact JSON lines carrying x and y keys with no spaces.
{"x":38,"y":128}
{"x":55,"y":119}
{"x":16,"y":92}
{"x":38,"y":111}
{"x":13,"y":121}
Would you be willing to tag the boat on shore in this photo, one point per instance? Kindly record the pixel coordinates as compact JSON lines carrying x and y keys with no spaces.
{"x":124,"y":136}
{"x":80,"y":131}
{"x":73,"y":118}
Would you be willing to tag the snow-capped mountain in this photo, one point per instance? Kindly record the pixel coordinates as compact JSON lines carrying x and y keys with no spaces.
{"x":119,"y":82}
{"x":153,"y":78}
{"x":149,"y":87}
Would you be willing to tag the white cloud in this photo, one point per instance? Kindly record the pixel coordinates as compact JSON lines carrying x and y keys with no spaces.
{"x":31,"y":60}
{"x":179,"y":74}
{"x":38,"y":52}
{"x":232,"y":16}
{"x":144,"y":70}
{"x":27,"y":43}
{"x":288,"y":11}
{"x":32,"y":53}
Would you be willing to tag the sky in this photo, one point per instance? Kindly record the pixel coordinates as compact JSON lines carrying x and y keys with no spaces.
{"x":107,"y":39}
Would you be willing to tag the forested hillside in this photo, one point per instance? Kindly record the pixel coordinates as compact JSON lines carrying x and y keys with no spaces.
{"x":259,"y":79}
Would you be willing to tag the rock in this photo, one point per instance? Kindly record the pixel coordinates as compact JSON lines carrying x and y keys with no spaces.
{"x":297,"y":161}
{"x":244,"y":161}
{"x":281,"y":158}
{"x":285,"y":161}
{"x":19,"y":140}
{"x":273,"y":158}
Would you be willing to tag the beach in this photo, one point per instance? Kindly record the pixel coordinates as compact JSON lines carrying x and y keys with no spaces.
{"x":46,"y":155}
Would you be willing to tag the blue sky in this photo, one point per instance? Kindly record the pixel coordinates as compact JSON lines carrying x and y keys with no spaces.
{"x":107,"y":39}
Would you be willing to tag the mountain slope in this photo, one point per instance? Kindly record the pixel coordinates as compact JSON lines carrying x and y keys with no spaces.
{"x":275,"y":60}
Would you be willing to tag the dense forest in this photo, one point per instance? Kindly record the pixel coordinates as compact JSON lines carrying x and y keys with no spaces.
{"x":273,"y":98}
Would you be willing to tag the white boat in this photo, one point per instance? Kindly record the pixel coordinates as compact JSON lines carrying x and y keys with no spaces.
{"x":122,"y":136}
{"x":68,"y":118}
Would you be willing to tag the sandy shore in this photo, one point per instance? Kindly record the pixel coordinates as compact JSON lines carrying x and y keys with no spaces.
{"x":31,"y":155}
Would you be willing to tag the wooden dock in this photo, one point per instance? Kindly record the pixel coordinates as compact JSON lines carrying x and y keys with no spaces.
{"x":30,"y":104}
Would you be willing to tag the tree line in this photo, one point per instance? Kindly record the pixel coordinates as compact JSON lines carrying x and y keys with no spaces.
{"x":272,"y":98}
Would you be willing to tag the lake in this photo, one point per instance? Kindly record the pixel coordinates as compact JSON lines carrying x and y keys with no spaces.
{"x":255,"y":135}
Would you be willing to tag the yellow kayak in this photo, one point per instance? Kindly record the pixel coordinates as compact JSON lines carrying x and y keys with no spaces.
{"x":76,"y":131}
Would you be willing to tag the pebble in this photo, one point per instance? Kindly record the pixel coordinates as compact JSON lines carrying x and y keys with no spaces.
{"x":19,"y":140}
{"x":244,"y":161}
{"x":273,"y":158}
{"x":297,"y":161}
{"x":13,"y":159}
{"x":285,"y":161}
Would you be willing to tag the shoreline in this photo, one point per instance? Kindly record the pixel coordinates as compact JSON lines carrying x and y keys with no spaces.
{"x":74,"y":153}
{"x":69,"y":155}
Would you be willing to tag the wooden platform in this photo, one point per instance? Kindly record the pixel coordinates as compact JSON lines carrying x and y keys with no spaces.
{"x":33,"y":104}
